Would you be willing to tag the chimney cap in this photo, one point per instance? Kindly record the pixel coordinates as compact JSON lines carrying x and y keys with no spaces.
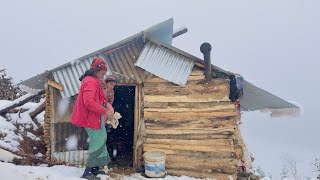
{"x":205,"y":48}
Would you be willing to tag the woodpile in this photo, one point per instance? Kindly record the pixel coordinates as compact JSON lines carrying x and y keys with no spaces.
{"x":194,"y":125}
{"x":46,"y":125}
{"x":8,"y":91}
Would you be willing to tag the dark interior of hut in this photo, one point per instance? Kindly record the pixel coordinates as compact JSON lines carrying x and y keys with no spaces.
{"x":120,"y":140}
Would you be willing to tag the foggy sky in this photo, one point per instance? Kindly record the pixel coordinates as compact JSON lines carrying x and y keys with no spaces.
{"x":274,"y":44}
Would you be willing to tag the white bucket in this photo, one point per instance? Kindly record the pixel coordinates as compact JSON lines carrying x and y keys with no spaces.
{"x":154,"y":163}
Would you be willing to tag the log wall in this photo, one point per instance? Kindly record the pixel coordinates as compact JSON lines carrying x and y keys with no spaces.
{"x":194,"y":125}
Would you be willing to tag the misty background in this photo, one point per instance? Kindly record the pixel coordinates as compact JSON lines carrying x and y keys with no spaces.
{"x":274,"y":44}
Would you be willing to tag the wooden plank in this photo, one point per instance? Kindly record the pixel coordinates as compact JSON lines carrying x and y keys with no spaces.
{"x":193,"y":153}
{"x":191,"y":126}
{"x":197,"y":105}
{"x":196,"y":72}
{"x":226,"y":131}
{"x":191,"y":148}
{"x":190,"y":136}
{"x":230,"y":170}
{"x":216,"y":122}
{"x":192,"y":118}
{"x":187,"y":98}
{"x":228,"y":107}
{"x":208,"y":142}
{"x":199,"y":174}
{"x":187,"y":115}
{"x":55,"y":85}
{"x":196,"y":78}
{"x":199,"y":65}
{"x":205,"y":161}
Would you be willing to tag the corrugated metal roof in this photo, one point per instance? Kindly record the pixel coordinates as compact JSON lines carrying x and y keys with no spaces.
{"x":69,"y":76}
{"x":255,"y":98}
{"x":120,"y":61}
{"x":165,"y":63}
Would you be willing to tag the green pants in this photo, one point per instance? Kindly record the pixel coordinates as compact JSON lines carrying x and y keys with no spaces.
{"x":98,"y":154}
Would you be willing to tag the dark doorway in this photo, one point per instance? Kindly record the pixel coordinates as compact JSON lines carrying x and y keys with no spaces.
{"x":120,"y":140}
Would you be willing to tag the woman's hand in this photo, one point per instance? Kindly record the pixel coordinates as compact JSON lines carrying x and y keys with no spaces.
{"x":109,"y":116}
{"x":104,"y":118}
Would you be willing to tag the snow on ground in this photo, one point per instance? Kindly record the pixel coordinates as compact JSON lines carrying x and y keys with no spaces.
{"x":61,"y":172}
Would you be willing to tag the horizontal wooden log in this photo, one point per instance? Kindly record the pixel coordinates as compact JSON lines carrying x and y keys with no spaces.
{"x":194,"y":105}
{"x":223,"y":130}
{"x":197,"y":73}
{"x":191,"y":119}
{"x":199,"y":77}
{"x":191,"y":148}
{"x":215,"y":142}
{"x":193,"y":153}
{"x":187,"y":115}
{"x":190,"y":126}
{"x":199,"y":65}
{"x":222,"y":108}
{"x":190,"y":136}
{"x":211,"y":122}
{"x":187,"y":98}
{"x":201,"y":164}
{"x":200,"y":174}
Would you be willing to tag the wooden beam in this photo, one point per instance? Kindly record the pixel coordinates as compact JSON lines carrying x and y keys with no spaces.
{"x":190,"y":136}
{"x":55,"y":85}
{"x":187,"y":115}
{"x":208,"y":149}
{"x":194,"y":105}
{"x":229,"y":107}
{"x":223,"y":130}
{"x":193,"y":153}
{"x":208,"y":142}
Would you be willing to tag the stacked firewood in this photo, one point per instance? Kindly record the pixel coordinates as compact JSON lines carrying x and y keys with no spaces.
{"x":8,"y":91}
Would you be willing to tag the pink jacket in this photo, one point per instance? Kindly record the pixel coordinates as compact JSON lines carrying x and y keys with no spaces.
{"x":88,"y":107}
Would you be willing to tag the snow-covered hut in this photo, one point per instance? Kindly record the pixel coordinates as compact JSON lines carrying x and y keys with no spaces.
{"x":170,"y":100}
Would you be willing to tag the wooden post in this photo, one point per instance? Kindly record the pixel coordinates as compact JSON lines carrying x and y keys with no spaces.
{"x":179,"y":32}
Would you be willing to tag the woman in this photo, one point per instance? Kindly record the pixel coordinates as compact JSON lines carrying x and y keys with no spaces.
{"x":90,"y":114}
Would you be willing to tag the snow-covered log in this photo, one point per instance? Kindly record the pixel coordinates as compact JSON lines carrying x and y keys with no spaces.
{"x":20,"y":101}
